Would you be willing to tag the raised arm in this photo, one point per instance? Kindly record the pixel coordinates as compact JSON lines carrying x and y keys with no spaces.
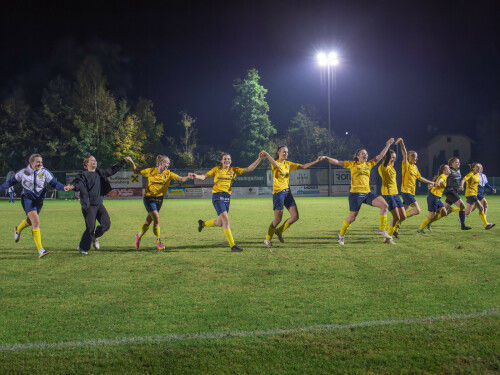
{"x":332,"y":161}
{"x":403,"y":150}
{"x":132,"y":164}
{"x":384,"y":150}
{"x":269,"y":157}
{"x":305,"y":166}
{"x":254,"y":165}
{"x":114,"y":169}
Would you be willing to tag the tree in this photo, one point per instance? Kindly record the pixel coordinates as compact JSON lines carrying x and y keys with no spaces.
{"x":251,"y":118}
{"x":153,"y":130}
{"x":130,"y":139}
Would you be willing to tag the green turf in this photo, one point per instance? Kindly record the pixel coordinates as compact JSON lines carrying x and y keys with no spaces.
{"x":183,"y":299}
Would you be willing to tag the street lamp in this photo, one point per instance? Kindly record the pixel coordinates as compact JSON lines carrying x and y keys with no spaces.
{"x":330,"y":60}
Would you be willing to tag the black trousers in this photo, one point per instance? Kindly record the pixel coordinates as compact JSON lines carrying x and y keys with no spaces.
{"x":90,"y":216}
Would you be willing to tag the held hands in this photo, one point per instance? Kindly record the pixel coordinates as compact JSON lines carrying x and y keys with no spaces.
{"x":128,"y":159}
{"x":68,"y":187}
{"x":191,"y":176}
{"x":399,"y":140}
{"x":263,"y":154}
{"x":390,"y":142}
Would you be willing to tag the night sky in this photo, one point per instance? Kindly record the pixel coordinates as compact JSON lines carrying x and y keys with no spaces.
{"x":409,"y":68}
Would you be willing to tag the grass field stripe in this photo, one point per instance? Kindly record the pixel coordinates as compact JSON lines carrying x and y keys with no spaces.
{"x":218,"y":335}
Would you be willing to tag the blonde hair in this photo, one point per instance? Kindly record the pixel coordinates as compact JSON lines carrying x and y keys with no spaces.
{"x":86,"y":161}
{"x":160,"y":158}
{"x":412,"y":153}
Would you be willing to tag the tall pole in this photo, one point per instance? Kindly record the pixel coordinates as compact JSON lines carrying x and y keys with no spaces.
{"x":329,"y":138}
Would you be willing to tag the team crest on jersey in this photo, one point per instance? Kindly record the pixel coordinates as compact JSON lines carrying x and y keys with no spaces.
{"x":40,"y":176}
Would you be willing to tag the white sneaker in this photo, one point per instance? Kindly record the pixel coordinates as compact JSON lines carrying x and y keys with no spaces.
{"x":384,"y":234}
{"x":96,"y":244}
{"x":268,"y":243}
{"x":17,"y":235}
{"x":341,"y":239}
{"x":389,"y":241}
{"x":42,"y":253}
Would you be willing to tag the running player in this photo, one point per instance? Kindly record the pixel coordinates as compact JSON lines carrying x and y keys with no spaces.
{"x":282,"y":195}
{"x":483,"y":183}
{"x":159,"y":178}
{"x":34,"y":179}
{"x":472,"y":179}
{"x":360,"y":191}
{"x":224,"y":176}
{"x":451,"y":192}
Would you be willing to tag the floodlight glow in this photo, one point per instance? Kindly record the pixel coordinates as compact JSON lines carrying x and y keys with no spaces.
{"x":322,"y":59}
{"x":333,"y":59}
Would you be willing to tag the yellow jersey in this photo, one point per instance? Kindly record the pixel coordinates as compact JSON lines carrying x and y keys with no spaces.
{"x":472,"y":180}
{"x":410,"y":174}
{"x":158,"y":183}
{"x":281,"y":175}
{"x":388,"y":174}
{"x":223,"y":179}
{"x":438,"y":190}
{"x":360,"y":175}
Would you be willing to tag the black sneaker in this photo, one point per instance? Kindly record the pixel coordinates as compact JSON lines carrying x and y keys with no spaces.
{"x":466,"y":227}
{"x":200,"y":225}
{"x":236,"y":249}
{"x":395,"y":235}
{"x":489,"y":226}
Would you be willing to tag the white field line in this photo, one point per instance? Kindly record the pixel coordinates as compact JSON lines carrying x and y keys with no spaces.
{"x":220,"y":335}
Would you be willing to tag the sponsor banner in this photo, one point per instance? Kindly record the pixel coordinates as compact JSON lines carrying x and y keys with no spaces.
{"x":343,"y":190}
{"x":254,"y":179}
{"x":311,"y":191}
{"x":265,"y":191}
{"x":193,"y":193}
{"x":125,"y":193}
{"x":176,"y":192}
{"x":342,"y":177}
{"x":300,"y":177}
{"x":247,"y":192}
{"x":125,"y":179}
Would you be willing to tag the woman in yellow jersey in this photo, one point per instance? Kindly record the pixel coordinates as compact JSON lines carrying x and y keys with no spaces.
{"x":434,"y":205}
{"x":224,"y":176}
{"x":390,"y":192}
{"x":360,"y":188}
{"x":159,"y":178}
{"x":282,"y":195}
{"x":410,"y":174}
{"x":472,"y":180}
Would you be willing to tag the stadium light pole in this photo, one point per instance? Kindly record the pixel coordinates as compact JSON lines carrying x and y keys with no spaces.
{"x":330,"y":61}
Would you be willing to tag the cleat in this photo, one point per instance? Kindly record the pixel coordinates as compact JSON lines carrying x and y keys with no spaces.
{"x":236,"y":249}
{"x":340,"y":239}
{"x":489,"y":226}
{"x":395,"y":235}
{"x":83,"y":252}
{"x":386,"y":240}
{"x":268,"y":243}
{"x":399,"y":225}
{"x":420,"y":231}
{"x":429,"y":227}
{"x":96,"y":244}
{"x":137,"y":241}
{"x":17,"y":235}
{"x":465,"y":227}
{"x":200,"y":225}
{"x":160,"y":246}
{"x":384,"y":234}
{"x":279,"y":234}
{"x":43,"y":252}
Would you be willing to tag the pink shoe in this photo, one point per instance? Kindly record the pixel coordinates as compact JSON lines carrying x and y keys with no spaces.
{"x":159,"y":246}
{"x":137,"y":241}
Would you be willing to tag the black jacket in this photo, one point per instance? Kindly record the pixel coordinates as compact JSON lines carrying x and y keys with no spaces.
{"x":79,"y":183}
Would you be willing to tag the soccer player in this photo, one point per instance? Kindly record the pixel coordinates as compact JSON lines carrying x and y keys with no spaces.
{"x":434,"y":204}
{"x":159,"y":178}
{"x":472,"y":179}
{"x":390,"y":192}
{"x":451,"y":192}
{"x":93,"y":184}
{"x":360,"y":192}
{"x":34,"y":179}
{"x":410,"y":174}
{"x":282,"y":195}
{"x":483,"y":183}
{"x":224,"y":176}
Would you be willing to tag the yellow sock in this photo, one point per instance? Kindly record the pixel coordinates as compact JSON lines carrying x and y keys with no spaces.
{"x":390,"y":230}
{"x":396,"y":228}
{"x":209,"y":223}
{"x":424,"y":223}
{"x":284,"y":227}
{"x":270,"y":232}
{"x":408,"y":214}
{"x":483,"y":218}
{"x":383,"y":222}
{"x":455,"y":209}
{"x":229,"y":236}
{"x":345,"y":225}
{"x":436,"y":218}
{"x":144,"y":229}
{"x":156,"y":232}
{"x":21,"y":226}
{"x":37,"y":238}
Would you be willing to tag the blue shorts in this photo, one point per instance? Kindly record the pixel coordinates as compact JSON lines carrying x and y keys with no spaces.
{"x":393,"y":201}
{"x":221,"y":202}
{"x":408,"y":199}
{"x":357,"y":199}
{"x":480,"y":197}
{"x":282,"y":199}
{"x":153,"y":203}
{"x":472,"y":199}
{"x":31,"y":204}
{"x":434,"y":203}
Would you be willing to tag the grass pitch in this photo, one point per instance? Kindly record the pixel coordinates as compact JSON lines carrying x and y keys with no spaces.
{"x":429,"y":304}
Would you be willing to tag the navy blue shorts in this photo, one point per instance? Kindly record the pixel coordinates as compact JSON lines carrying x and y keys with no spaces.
{"x":31,"y":204}
{"x":408,"y":199}
{"x":480,"y":197}
{"x":221,"y":202}
{"x":357,"y":199}
{"x":393,"y":201}
{"x":473,"y":199}
{"x":283,"y":199}
{"x":153,"y":203}
{"x":434,"y":203}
